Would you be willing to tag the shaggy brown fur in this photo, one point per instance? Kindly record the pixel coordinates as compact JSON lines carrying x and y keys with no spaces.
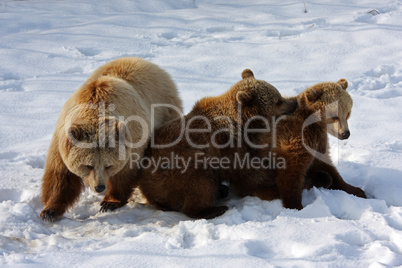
{"x":219,"y":122}
{"x":97,"y":130}
{"x":302,"y":140}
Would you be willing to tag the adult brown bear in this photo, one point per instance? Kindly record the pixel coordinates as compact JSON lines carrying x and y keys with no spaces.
{"x":106,"y":120}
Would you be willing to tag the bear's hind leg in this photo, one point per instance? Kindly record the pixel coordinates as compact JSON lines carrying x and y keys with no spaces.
{"x":339,"y":184}
{"x":317,"y":178}
{"x":337,"y":181}
{"x":200,"y":194}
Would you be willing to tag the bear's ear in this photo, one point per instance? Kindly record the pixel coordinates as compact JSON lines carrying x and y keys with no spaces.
{"x":244,"y":98}
{"x":75,"y":133}
{"x":247,"y":73}
{"x":343,"y":83}
{"x":313,"y":94}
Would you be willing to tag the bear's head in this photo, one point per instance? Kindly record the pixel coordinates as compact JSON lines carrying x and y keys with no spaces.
{"x":95,"y":150}
{"x":334,"y":103}
{"x":259,"y":98}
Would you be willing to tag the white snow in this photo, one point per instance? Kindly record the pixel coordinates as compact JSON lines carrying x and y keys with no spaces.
{"x":48,"y":49}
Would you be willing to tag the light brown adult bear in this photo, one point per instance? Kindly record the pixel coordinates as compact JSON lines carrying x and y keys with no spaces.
{"x":189,"y":158}
{"x":302,"y":140}
{"x":104,"y":121}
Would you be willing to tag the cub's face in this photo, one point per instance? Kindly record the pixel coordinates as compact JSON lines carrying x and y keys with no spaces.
{"x":337,"y":115}
{"x":96,"y":153}
{"x":271,"y":103}
{"x":262,"y":98}
{"x":332,"y":99}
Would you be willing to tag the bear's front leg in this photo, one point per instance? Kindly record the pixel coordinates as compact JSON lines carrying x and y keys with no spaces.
{"x":290,"y":190}
{"x":120,"y":188}
{"x":111,"y":203}
{"x":60,"y":189}
{"x":291,"y":177}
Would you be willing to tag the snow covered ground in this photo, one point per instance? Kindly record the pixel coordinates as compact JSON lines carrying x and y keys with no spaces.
{"x":48,"y":48}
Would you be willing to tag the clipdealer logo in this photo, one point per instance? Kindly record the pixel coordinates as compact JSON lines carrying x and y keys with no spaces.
{"x":108,"y":136}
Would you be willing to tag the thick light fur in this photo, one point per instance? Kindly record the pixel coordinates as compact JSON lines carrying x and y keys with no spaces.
{"x":303,"y":141}
{"x":220,"y":121}
{"x":100,"y":126}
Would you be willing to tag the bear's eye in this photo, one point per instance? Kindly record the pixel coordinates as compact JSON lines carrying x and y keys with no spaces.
{"x":335,"y":118}
{"x":89,"y":167}
{"x":108,"y":167}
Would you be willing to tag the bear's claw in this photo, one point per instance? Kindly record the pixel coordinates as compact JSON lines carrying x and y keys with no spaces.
{"x":359,"y":192}
{"x":49,"y":215}
{"x":105,"y":206}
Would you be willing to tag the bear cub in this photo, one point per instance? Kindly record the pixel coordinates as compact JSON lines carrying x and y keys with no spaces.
{"x":302,"y":141}
{"x":213,"y":131}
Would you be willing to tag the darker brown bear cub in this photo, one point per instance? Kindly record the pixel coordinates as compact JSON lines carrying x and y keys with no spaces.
{"x":188,"y":158}
{"x":302,"y":141}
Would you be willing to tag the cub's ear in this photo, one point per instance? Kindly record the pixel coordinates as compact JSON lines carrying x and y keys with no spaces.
{"x":244,"y":98}
{"x":247,"y":73}
{"x":343,"y":83}
{"x":313,"y":94}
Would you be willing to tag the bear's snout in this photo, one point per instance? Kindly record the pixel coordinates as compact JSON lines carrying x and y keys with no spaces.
{"x":345,"y":134}
{"x":293,"y":106}
{"x":289,"y":107}
{"x":100,"y":188}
